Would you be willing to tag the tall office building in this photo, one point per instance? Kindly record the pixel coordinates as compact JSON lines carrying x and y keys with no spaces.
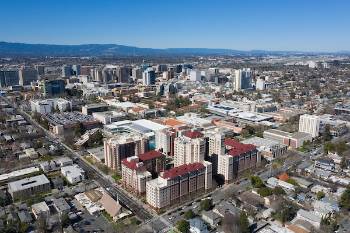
{"x":109,"y":74}
{"x":96,"y":74}
{"x":260,"y":84}
{"x":189,"y":148}
{"x":76,"y":70}
{"x":149,"y":77}
{"x":27,"y":75}
{"x":9,"y":77}
{"x":309,"y":124}
{"x":123,"y":74}
{"x":40,"y":69}
{"x":161,"y":68}
{"x":242,"y":79}
{"x":195,"y":75}
{"x":123,"y":146}
{"x":66,"y":71}
{"x":136,"y":73}
{"x":54,"y":87}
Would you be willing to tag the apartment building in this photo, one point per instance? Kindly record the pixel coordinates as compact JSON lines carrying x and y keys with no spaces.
{"x":239,"y":158}
{"x":153,"y":160}
{"x":189,"y":148}
{"x":177,"y":184}
{"x":122,"y":146}
{"x":135,"y":174}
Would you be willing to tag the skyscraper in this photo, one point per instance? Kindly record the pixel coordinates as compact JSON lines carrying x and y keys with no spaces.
{"x":242,"y":79}
{"x":149,"y":77}
{"x":9,"y":77}
{"x":195,"y":75}
{"x":53,"y":87}
{"x":66,"y":70}
{"x":27,"y":75}
{"x":309,"y":124}
{"x":76,"y":70}
{"x":123,"y":74}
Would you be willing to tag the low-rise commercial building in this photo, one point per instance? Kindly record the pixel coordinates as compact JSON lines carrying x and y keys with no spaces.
{"x":74,"y":174}
{"x":61,"y":123}
{"x":294,"y":140}
{"x":269,"y":149}
{"x":91,"y":108}
{"x":50,"y":105}
{"x":28,"y":187}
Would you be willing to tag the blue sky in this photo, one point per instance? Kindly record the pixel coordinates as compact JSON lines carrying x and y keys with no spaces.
{"x":308,"y":25}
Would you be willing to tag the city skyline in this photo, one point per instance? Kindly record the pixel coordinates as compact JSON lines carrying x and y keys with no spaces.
{"x":272,"y":25}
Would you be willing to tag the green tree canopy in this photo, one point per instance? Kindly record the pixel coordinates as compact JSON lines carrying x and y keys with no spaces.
{"x":345,"y":199}
{"x":243,"y":222}
{"x":183,"y":226}
{"x":205,"y":204}
{"x":257,"y":182}
{"x":189,"y":214}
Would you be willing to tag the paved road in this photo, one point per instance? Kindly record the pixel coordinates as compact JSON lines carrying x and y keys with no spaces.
{"x":103,"y":180}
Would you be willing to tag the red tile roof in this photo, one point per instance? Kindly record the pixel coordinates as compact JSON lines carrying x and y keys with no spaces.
{"x":193,"y":134}
{"x":182,"y":170}
{"x":238,"y":148}
{"x":131,"y":164}
{"x":150,"y":155}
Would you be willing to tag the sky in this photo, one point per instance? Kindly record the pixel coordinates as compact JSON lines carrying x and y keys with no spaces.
{"x":298,"y":25}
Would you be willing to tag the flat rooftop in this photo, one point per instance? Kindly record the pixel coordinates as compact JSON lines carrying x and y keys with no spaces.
{"x":28,"y":183}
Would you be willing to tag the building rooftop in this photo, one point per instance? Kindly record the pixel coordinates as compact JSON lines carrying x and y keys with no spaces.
{"x":132,"y":162}
{"x":18,"y":173}
{"x":66,"y":118}
{"x":28,"y":183}
{"x":181,"y":170}
{"x":150,"y":155}
{"x":193,"y":134}
{"x":260,"y":142}
{"x":149,"y":125}
{"x":173,"y":122}
{"x":238,"y":148}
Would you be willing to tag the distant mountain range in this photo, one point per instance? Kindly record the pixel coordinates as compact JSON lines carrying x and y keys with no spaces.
{"x":24,"y":49}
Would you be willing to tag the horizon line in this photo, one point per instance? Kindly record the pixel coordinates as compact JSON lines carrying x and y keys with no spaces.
{"x":128,"y":45}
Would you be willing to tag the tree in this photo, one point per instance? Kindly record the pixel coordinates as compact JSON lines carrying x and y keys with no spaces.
{"x":189,"y":214}
{"x":183,"y":226}
{"x":65,"y":220}
{"x":328,"y":224}
{"x":264,"y":191}
{"x":243,"y":222}
{"x":327,"y":136}
{"x":278,"y":191}
{"x":205,"y":204}
{"x":257,"y":182}
{"x":293,"y":182}
{"x":345,"y":199}
{"x":320,"y":195}
{"x":343,"y":163}
{"x":285,"y":212}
